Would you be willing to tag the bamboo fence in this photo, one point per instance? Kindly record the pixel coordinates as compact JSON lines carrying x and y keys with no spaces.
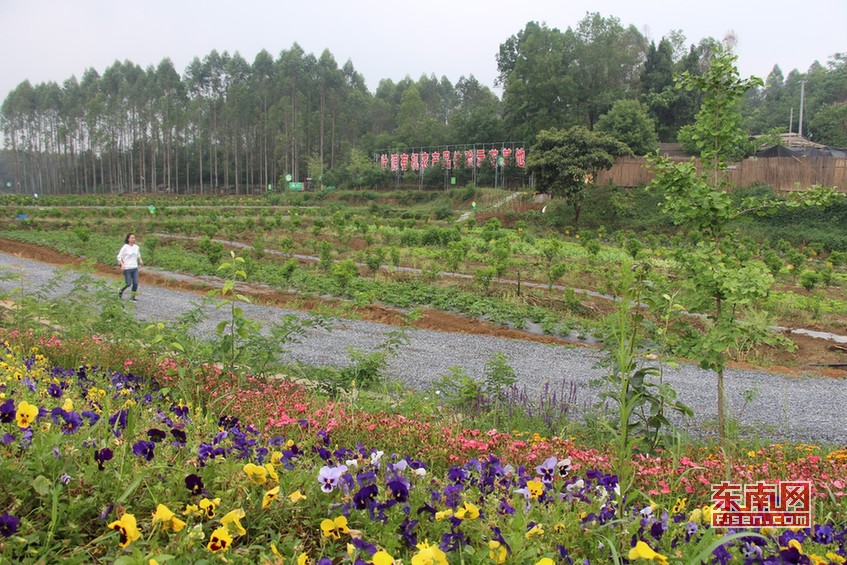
{"x":782,"y":174}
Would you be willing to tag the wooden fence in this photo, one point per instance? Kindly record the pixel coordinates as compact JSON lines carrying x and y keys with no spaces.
{"x":783,"y":174}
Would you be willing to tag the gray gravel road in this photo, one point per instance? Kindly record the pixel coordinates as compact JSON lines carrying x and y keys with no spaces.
{"x":807,"y":409}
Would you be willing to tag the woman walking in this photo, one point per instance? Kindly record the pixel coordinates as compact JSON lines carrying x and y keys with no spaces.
{"x":129,"y":258}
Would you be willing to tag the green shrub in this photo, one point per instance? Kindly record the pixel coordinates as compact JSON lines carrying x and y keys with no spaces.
{"x":344,"y":272}
{"x":809,"y":279}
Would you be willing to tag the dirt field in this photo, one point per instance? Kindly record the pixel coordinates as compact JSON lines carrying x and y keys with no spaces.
{"x":810,"y":351}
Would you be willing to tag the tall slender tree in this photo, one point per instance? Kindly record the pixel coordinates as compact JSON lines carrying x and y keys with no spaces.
{"x":535,"y":69}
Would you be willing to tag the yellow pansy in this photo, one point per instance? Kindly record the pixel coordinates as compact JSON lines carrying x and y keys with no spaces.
{"x":334,"y":528}
{"x":68,"y":406}
{"x":127,"y":528}
{"x":303,"y":559}
{"x":680,"y":505}
{"x":259,"y":475}
{"x":695,"y":516}
{"x":296,"y":497}
{"x":220,"y":540}
{"x":233,"y":518}
{"x":468,"y":511}
{"x":535,"y":531}
{"x":269,"y":497}
{"x":707,"y":514}
{"x":796,"y":545}
{"x":535,"y":487}
{"x":443,"y":514}
{"x":545,"y":561}
{"x":271,"y":472}
{"x":167,"y":518}
{"x":382,"y":557}
{"x":429,"y":555}
{"x":26,"y":414}
{"x":208,"y":506}
{"x":497,"y":552}
{"x":644,"y":551}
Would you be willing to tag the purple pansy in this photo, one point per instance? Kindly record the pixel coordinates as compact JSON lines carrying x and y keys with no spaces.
{"x":194,"y":483}
{"x":7,"y":411}
{"x":156,"y":435}
{"x":101,"y":456}
{"x":144,"y":449}
{"x":8,"y":524}
{"x":547,"y":469}
{"x":328,"y":476}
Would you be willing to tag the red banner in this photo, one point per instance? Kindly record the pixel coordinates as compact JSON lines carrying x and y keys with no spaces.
{"x":470,"y":158}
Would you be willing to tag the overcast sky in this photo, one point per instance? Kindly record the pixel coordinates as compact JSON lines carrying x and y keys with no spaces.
{"x":51,"y":40}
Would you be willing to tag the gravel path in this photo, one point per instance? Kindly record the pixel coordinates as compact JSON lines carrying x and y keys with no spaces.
{"x":810,"y":409}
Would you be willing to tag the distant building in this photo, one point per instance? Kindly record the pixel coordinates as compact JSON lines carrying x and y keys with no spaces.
{"x":795,"y":145}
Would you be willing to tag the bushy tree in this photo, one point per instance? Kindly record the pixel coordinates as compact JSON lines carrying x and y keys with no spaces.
{"x":359,"y":171}
{"x":477,"y":116}
{"x":565,"y":162}
{"x":628,"y":121}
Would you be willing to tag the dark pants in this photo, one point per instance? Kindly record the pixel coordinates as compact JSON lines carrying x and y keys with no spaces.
{"x":130,"y":278}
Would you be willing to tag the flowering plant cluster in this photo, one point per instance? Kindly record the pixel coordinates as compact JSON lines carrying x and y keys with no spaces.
{"x":102,"y":465}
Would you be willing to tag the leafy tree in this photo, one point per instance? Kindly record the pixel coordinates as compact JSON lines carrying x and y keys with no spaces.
{"x":671,"y":108}
{"x":477,"y":116}
{"x":724,"y":278}
{"x":439,"y":96}
{"x":628,"y":121}
{"x":826,"y":86}
{"x":608,"y":57}
{"x":769,"y":106}
{"x":657,"y":73}
{"x":359,"y":172}
{"x":534,"y":68}
{"x":414,"y":126}
{"x":829,"y":126}
{"x":565,"y":162}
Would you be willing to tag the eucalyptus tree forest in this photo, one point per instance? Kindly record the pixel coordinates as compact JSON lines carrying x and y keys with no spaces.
{"x":229,"y":124}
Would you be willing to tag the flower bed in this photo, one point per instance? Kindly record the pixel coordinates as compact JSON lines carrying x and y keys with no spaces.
{"x":115,"y":466}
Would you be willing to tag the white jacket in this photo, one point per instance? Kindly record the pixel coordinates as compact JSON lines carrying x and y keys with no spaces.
{"x":129,"y":254}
